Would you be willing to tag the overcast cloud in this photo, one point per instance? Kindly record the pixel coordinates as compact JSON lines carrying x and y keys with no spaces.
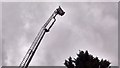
{"x":85,"y":26}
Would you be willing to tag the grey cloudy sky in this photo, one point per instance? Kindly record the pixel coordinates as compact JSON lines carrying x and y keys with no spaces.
{"x":60,"y":0}
{"x":85,"y":26}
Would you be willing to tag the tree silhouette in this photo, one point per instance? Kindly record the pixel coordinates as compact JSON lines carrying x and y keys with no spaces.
{"x":86,"y":60}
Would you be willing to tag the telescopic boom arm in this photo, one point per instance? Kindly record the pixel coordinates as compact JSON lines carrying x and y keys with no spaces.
{"x":30,"y":53}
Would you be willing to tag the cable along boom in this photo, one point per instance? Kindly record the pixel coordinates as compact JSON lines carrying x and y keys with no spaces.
{"x":31,"y":51}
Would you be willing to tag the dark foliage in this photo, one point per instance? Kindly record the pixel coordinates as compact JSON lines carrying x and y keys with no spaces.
{"x":85,"y":60}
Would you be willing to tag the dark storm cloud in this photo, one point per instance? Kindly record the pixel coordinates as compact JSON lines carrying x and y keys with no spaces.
{"x":85,"y":26}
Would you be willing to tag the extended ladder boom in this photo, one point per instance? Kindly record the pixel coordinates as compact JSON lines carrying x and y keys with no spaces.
{"x":30,"y":53}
